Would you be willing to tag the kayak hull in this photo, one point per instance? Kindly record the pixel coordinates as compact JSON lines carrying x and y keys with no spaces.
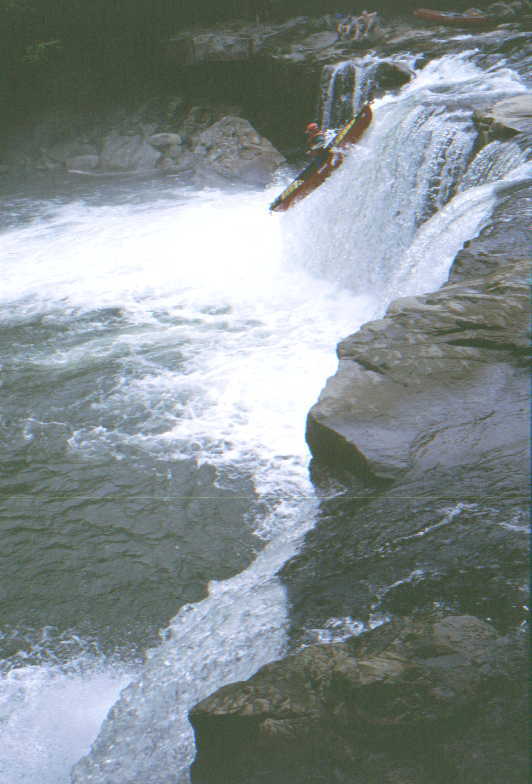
{"x":449,"y":18}
{"x":325,"y":164}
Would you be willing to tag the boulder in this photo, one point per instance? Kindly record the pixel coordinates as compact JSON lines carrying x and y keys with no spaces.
{"x":232,"y":150}
{"x":507,"y":118}
{"x":384,"y":707}
{"x":71,"y":148}
{"x":82,"y":162}
{"x":439,"y":381}
{"x":127,"y":153}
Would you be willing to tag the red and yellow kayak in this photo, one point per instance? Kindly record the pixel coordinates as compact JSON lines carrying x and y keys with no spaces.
{"x":324,"y":164}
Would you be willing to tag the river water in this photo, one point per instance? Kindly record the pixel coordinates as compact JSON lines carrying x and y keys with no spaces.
{"x":160,"y":348}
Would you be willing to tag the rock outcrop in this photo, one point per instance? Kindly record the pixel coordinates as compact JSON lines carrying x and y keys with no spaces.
{"x":507,"y":118}
{"x":206,"y":144}
{"x":413,"y":701}
{"x":426,"y":426}
{"x":228,"y":151}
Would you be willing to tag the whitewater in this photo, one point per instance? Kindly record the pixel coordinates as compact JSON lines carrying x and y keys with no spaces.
{"x":161,"y":347}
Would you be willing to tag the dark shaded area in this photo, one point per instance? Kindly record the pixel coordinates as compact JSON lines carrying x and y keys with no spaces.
{"x":274,"y":97}
{"x":78,"y":52}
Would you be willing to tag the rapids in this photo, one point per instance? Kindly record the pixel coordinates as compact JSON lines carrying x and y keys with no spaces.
{"x":160,"y":350}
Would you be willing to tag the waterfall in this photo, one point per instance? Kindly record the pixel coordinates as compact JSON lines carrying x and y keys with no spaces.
{"x":346,"y":86}
{"x":409,"y":187}
{"x":419,"y":151}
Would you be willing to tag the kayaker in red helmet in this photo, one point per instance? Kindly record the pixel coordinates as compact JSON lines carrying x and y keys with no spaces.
{"x":315,"y":139}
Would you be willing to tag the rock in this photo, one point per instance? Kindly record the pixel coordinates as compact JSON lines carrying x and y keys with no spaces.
{"x":508,"y":117}
{"x":390,"y":75}
{"x":434,"y":397}
{"x":380,"y":708}
{"x":62,"y":151}
{"x":82,"y":162}
{"x":502,"y":10}
{"x":191,"y":48}
{"x":393,"y":402}
{"x":233,"y":150}
{"x":162,"y":140}
{"x":127,"y":153}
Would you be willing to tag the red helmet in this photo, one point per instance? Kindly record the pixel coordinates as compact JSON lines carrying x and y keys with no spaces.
{"x":312,"y":128}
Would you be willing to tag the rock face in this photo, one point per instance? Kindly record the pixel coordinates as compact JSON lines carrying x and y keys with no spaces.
{"x":392,"y":406}
{"x":205,"y":144}
{"x":430,"y":406}
{"x":404,"y":703}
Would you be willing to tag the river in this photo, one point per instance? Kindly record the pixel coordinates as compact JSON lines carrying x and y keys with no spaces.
{"x":160,"y":348}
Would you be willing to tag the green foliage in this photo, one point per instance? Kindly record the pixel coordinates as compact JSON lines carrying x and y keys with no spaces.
{"x":39,"y":52}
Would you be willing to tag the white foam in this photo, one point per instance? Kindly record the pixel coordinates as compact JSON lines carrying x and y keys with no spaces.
{"x":49,"y":716}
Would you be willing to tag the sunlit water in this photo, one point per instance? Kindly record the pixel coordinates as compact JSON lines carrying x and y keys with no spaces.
{"x":160,"y":350}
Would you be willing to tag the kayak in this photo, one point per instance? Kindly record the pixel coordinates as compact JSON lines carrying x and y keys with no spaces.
{"x":324,"y":164}
{"x":451,"y":17}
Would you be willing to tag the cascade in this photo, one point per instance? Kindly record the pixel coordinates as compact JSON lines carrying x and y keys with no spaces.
{"x":411,"y":185}
{"x":407,"y":167}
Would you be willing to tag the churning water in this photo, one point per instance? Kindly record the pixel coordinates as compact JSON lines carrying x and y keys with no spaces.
{"x":160,"y":350}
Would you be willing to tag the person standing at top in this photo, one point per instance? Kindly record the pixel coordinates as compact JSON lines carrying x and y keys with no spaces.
{"x":315,"y":139}
{"x":365,"y":23}
{"x":345,"y":23}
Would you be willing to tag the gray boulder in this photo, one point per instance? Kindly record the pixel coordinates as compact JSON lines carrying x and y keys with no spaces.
{"x":507,"y":118}
{"x":233,"y":150}
{"x":127,"y":153}
{"x":70,"y":148}
{"x":439,"y":381}
{"x":82,"y":162}
{"x":163,"y":140}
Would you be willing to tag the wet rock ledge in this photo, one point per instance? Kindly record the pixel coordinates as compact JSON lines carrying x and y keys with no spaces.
{"x":401,"y":705}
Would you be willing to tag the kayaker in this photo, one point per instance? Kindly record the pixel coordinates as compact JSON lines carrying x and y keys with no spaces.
{"x":315,"y":139}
